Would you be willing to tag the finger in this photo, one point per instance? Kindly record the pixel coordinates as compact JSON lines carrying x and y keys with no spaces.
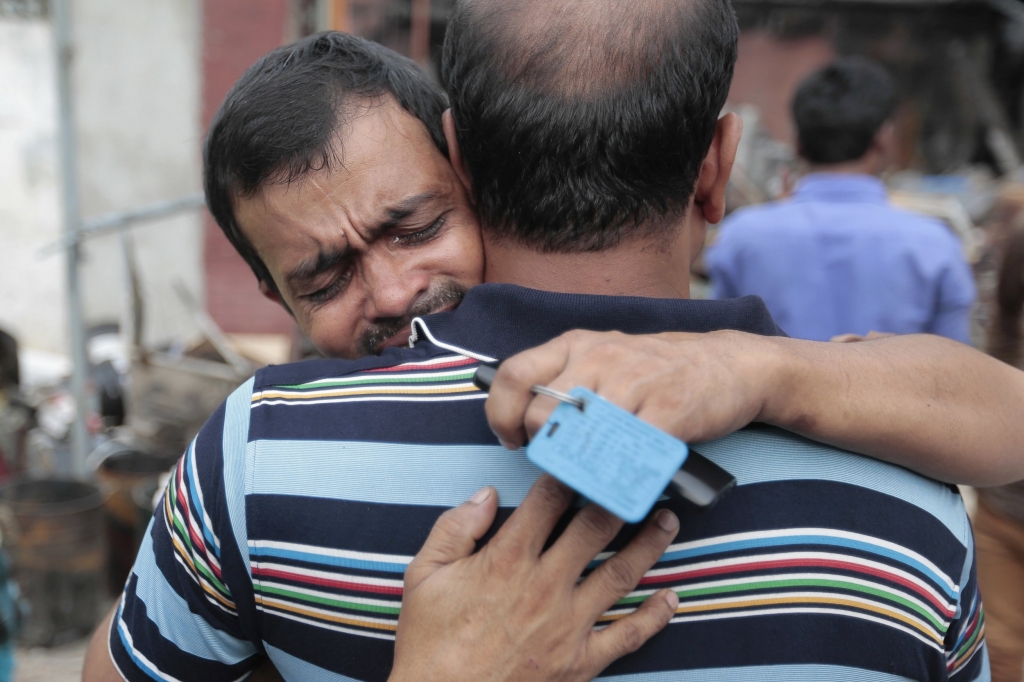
{"x":846,"y":338}
{"x":510,"y":393}
{"x":620,"y":574}
{"x":628,"y":634}
{"x":454,"y":536}
{"x":531,"y":524}
{"x":588,"y":533}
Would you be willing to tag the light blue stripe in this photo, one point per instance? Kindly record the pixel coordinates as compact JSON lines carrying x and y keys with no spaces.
{"x":235,"y":439}
{"x":448,"y":475}
{"x":139,"y":663}
{"x":966,"y":575}
{"x":197,"y":506}
{"x":176,"y":621}
{"x":986,"y":672}
{"x":761,"y":543}
{"x":292,"y":668}
{"x":764,"y":673}
{"x":329,"y":560}
{"x":437,"y":475}
{"x":782,"y":456}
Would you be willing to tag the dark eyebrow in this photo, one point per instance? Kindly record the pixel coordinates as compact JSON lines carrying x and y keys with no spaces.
{"x":403,"y":209}
{"x":311,"y":267}
{"x":325,"y":260}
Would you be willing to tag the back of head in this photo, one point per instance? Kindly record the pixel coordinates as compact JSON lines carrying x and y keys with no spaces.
{"x":285,"y":116}
{"x":839,"y":109}
{"x":585,"y":122}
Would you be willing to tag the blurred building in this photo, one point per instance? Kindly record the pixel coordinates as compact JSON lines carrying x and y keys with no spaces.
{"x":149,"y":75}
{"x":958,"y":64}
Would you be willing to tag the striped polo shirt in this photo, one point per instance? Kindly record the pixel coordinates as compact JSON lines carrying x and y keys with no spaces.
{"x":289,"y":522}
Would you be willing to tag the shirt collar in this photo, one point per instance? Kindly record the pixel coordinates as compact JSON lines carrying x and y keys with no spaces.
{"x":841,"y":187}
{"x":500,"y":320}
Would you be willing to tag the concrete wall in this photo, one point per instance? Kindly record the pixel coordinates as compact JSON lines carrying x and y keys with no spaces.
{"x":138,"y":84}
{"x":137,"y":81}
{"x":31,"y":290}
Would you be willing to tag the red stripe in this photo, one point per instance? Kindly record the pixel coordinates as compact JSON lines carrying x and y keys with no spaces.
{"x":326,"y":582}
{"x":409,"y":368}
{"x":802,"y":563}
{"x":198,"y":542}
{"x":966,"y":636}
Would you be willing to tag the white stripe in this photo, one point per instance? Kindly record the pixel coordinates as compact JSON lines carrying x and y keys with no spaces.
{"x":280,"y":603}
{"x":330,"y":575}
{"x":189,"y":521}
{"x":799,"y":595}
{"x":201,"y":581}
{"x":826,"y":611}
{"x":327,"y":626}
{"x":798,"y":532}
{"x":800,"y":576}
{"x":848,"y":558}
{"x":202,"y":501}
{"x":424,"y":398}
{"x":332,"y":595}
{"x":418,"y":322}
{"x":328,"y":551}
{"x":153,"y":670}
{"x":286,"y":394}
{"x":363,"y":378}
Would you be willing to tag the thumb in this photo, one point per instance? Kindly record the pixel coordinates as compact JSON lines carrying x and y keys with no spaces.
{"x":454,"y":536}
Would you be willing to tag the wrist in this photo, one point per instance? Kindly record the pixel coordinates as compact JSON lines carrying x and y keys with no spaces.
{"x":779,"y":377}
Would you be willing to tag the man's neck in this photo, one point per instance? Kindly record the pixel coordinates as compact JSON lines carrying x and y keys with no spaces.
{"x":866,"y":165}
{"x":651,"y":269}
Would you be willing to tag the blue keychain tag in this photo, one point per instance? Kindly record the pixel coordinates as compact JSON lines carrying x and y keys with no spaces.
{"x":607,"y":455}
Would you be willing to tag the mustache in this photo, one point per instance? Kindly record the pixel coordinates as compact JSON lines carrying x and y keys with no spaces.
{"x":435,"y":299}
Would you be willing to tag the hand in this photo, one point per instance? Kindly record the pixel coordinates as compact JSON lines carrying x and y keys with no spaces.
{"x":696,"y":387}
{"x":513,"y":611}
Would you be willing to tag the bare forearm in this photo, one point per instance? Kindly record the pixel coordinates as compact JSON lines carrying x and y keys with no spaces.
{"x":930,"y":404}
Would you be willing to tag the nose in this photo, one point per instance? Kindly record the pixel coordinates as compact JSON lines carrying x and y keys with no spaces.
{"x":391,"y":290}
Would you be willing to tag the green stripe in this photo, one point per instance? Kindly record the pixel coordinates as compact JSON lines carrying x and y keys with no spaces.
{"x":970,"y":641}
{"x":186,"y":538}
{"x":775,"y":584}
{"x":337,"y":603}
{"x":468,"y":374}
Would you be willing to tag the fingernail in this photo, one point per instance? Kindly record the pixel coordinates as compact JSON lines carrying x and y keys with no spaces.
{"x":481,"y":496}
{"x":673,"y":599}
{"x":667,"y":520}
{"x":505,"y":444}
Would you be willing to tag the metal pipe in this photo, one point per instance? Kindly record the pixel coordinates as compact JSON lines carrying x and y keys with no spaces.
{"x":69,"y":174}
{"x":122,"y":220}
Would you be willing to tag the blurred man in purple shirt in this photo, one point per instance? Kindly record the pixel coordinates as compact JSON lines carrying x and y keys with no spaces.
{"x":836,"y":258}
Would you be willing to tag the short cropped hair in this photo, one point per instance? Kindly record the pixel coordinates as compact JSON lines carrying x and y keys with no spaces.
{"x":284,"y":118}
{"x":585,"y":122}
{"x":839,"y":109}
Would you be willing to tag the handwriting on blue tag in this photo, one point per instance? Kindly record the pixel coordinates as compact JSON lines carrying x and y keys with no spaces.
{"x":607,"y":455}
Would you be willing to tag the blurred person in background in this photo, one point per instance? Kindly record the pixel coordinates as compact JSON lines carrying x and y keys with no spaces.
{"x":835,"y":258}
{"x":999,"y":520}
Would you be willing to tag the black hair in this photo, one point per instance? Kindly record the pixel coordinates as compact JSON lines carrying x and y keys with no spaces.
{"x":282,"y":119}
{"x":839,"y":109}
{"x":581,"y":126}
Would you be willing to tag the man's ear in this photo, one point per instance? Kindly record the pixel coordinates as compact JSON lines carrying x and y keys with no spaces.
{"x":454,"y":152}
{"x":272,"y":294}
{"x":709,"y":197}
